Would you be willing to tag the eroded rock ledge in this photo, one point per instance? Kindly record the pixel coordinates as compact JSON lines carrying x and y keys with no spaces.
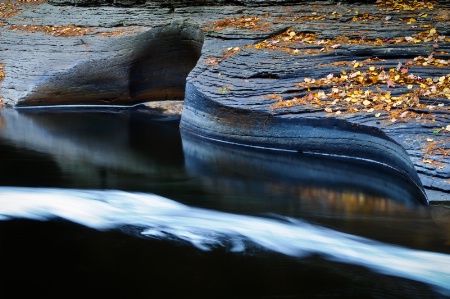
{"x":249,"y":81}
{"x":151,"y":63}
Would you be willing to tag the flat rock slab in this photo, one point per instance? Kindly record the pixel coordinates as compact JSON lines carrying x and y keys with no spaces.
{"x":263,"y":72}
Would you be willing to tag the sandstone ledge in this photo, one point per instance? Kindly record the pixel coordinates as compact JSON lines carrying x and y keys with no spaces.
{"x":244,"y":83}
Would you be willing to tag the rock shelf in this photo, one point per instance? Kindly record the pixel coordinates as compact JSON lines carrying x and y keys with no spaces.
{"x":372,"y":78}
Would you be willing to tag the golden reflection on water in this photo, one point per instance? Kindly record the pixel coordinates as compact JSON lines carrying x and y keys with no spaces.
{"x":345,"y":202}
{"x":2,"y":120}
{"x":441,"y":216}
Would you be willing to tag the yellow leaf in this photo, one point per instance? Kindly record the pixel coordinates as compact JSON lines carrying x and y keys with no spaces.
{"x":356,"y":65}
{"x":367,"y":102}
{"x":409,"y":86}
{"x":424,"y":15}
{"x":396,"y":77}
{"x":372,"y":68}
{"x":292,"y":34}
{"x":377,"y":115}
{"x":432,"y":31}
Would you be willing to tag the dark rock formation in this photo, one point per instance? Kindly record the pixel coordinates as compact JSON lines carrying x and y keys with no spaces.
{"x":232,"y":91}
{"x":150,"y":64}
{"x":233,"y":101}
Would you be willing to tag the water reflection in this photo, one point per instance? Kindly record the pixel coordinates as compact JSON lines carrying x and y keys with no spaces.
{"x":135,"y":150}
{"x":98,"y":149}
{"x":320,"y":183}
{"x":237,"y":203}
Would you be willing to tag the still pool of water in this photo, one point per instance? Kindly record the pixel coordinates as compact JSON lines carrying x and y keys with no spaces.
{"x":117,"y":203}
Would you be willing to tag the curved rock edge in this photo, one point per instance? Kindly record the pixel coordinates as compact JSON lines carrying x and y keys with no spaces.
{"x":207,"y":118}
{"x":428,"y":190}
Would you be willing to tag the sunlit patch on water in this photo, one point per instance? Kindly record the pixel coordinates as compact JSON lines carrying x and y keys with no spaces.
{"x":158,"y":217}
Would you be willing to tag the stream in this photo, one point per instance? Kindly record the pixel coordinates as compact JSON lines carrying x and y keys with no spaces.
{"x":117,"y":202}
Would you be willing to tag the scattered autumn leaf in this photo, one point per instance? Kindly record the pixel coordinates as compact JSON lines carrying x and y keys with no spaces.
{"x":245,"y":22}
{"x":58,"y":30}
{"x":2,"y":72}
{"x":12,"y":8}
{"x":390,"y":83}
{"x":405,"y":5}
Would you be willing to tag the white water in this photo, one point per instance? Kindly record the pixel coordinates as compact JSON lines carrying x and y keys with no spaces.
{"x":160,"y":217}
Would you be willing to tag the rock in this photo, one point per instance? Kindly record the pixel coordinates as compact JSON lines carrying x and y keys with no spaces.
{"x":249,"y":96}
{"x":94,"y":69}
{"x":247,"y":87}
{"x":97,"y":2}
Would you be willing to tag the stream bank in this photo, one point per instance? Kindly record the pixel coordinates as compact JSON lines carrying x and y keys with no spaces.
{"x":363,"y":65}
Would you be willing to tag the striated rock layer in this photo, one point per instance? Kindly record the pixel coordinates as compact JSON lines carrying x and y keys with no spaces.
{"x":262,"y":75}
{"x":150,"y":63}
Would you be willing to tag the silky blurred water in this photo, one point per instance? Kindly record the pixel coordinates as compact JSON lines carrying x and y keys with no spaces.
{"x":116,"y":203}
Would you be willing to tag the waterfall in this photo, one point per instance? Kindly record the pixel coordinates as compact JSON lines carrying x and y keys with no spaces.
{"x":158,"y":217}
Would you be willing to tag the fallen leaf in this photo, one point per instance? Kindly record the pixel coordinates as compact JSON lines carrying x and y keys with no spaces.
{"x":390,"y":83}
{"x":377,"y":115}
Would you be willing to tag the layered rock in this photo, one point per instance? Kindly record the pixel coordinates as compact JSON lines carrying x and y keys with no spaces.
{"x":258,"y":94}
{"x":246,"y":86}
{"x":102,"y":67}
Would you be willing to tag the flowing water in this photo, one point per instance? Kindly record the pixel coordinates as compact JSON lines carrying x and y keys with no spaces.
{"x":116,"y":203}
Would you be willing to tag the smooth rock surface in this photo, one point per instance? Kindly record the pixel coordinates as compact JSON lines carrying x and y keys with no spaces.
{"x":228,"y":92}
{"x":152,"y":64}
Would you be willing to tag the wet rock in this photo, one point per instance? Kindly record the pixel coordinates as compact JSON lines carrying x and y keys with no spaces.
{"x":233,"y":98}
{"x":232,"y":91}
